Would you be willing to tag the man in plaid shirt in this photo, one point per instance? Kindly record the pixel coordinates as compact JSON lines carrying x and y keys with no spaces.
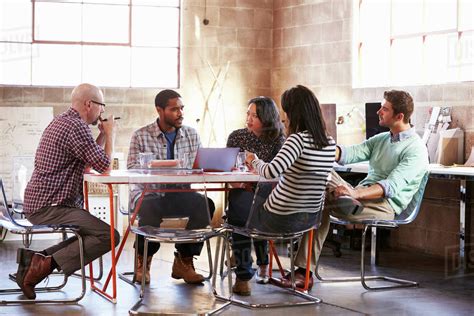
{"x":168,"y":138}
{"x":54,"y":194}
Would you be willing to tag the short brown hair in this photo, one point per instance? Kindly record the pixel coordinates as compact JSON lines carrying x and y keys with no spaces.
{"x":401,"y":101}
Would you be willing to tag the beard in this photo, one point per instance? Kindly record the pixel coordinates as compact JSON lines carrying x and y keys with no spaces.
{"x":176,"y":123}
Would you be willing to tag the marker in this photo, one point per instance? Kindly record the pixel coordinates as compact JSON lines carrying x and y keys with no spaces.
{"x":115,"y":118}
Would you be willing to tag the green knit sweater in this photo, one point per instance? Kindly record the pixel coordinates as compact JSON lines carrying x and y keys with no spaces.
{"x":399,"y":166}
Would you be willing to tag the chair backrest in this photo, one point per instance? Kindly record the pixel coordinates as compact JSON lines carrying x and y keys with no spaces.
{"x":412,"y":209}
{"x":6,"y":218}
{"x":262,"y":192}
{"x":22,"y":170}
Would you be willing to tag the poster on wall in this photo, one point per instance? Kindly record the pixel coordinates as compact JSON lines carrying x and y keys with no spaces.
{"x":21,"y":129}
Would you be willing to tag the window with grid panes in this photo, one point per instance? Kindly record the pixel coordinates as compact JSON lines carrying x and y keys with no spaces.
{"x":412,"y":42}
{"x":112,"y":43}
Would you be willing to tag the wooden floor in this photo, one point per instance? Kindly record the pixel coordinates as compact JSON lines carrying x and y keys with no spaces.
{"x":438,"y":294}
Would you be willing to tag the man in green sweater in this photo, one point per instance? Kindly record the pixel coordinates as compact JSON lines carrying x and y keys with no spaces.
{"x":398,"y":161}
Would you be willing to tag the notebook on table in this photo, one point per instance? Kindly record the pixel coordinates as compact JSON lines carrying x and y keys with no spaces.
{"x":216,"y":159}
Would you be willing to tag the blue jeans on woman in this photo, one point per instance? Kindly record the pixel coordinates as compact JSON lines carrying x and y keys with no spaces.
{"x":240,"y":205}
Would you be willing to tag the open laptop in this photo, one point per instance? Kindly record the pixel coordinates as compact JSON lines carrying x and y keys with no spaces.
{"x":216,"y":159}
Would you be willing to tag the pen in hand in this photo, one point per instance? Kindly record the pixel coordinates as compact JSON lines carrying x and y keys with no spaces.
{"x":115,"y":118}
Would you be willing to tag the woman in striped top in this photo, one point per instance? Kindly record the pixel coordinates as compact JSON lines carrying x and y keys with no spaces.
{"x":302,"y":166}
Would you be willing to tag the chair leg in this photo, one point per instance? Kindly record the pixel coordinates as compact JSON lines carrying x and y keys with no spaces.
{"x":399,"y":283}
{"x":129,"y":276}
{"x":225,"y":251}
{"x":27,"y":239}
{"x":98,"y":277}
{"x":308,"y":299}
{"x":55,"y":288}
{"x":223,"y":273}
{"x":343,"y":279}
{"x":209,"y":260}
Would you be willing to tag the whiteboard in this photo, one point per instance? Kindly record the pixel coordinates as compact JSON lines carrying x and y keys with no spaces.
{"x":21,"y":129}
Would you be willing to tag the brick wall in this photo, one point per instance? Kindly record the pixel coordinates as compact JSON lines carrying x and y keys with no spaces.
{"x":272,"y":45}
{"x":312,"y":46}
{"x":239,"y":32}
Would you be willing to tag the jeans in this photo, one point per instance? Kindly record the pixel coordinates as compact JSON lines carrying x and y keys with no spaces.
{"x":175,"y":204}
{"x":240,"y":202}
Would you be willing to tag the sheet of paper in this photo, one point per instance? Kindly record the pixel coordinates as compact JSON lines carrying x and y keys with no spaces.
{"x":470,"y":160}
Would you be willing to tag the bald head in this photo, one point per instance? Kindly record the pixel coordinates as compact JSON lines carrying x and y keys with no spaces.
{"x":84,"y":92}
{"x":86,"y":99}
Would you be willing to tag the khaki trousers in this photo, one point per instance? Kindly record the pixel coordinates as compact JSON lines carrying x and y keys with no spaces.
{"x":373,"y":209}
{"x":94,"y":232}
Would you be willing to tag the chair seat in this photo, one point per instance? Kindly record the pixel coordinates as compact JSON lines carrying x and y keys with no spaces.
{"x":23,"y":226}
{"x":263,"y":235}
{"x":173,"y":235}
{"x":373,"y":222}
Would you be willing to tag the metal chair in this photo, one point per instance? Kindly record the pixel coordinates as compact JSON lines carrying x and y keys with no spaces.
{"x":261,"y":193}
{"x":23,"y":227}
{"x":176,"y":227}
{"x":407,"y":216}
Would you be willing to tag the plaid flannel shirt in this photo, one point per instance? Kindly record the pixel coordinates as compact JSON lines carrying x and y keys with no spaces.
{"x":66,"y":148}
{"x":150,"y":138}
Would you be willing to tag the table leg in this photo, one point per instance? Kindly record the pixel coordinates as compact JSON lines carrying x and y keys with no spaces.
{"x":112,"y":273}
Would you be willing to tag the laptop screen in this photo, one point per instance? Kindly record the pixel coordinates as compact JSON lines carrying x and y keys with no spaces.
{"x":216,"y":159}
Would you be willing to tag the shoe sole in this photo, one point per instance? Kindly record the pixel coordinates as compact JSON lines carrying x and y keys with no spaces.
{"x":260,"y":280}
{"x":177,"y":277}
{"x":282,"y":284}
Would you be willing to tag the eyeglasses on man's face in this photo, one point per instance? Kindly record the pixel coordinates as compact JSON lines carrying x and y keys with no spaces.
{"x":101,"y":104}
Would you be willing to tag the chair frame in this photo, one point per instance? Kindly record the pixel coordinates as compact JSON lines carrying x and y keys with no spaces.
{"x":162,"y":235}
{"x":300,"y":292}
{"x":256,"y":234}
{"x":405,"y":217}
{"x":27,"y":229}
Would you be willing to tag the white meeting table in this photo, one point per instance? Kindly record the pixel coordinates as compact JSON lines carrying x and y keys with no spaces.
{"x":150,"y":176}
{"x":462,"y":174}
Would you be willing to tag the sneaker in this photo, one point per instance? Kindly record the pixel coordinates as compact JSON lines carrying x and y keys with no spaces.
{"x":137,"y":278}
{"x":241,"y":287}
{"x":183,"y":268}
{"x":262,"y":274}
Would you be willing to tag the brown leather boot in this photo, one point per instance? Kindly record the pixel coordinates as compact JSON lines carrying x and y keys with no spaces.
{"x":40,"y":267}
{"x":139,"y":269}
{"x":23,"y":258}
{"x":241,"y":287}
{"x":183,"y":268}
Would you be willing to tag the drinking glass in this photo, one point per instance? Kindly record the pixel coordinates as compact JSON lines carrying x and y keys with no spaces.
{"x":184,"y":161}
{"x":240,"y":162}
{"x":145,"y":159}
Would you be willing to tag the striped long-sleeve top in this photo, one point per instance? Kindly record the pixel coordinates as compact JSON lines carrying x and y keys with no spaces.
{"x":303,"y":172}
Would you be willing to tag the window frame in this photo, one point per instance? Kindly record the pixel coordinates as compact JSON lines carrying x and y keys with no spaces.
{"x":360,"y":38}
{"x":130,"y":4}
